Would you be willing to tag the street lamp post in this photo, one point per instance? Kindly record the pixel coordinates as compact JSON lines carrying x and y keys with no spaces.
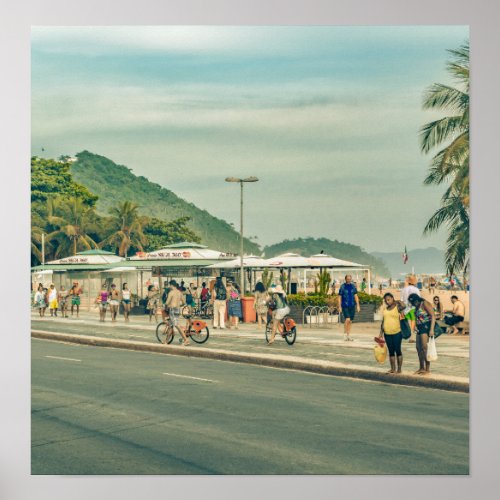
{"x":241,"y":181}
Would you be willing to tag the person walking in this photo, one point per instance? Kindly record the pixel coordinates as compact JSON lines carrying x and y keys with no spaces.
{"x":152,"y":306}
{"x":409,"y":289}
{"x":219,"y":301}
{"x":425,"y":321}
{"x":75,"y":293}
{"x":456,"y":315}
{"x":114,"y":302}
{"x":278,"y":296}
{"x":234,"y":305}
{"x":63,"y":298}
{"x":363,"y":285}
{"x":260,"y":304}
{"x":52,"y":297}
{"x":126,"y":301}
{"x":175,"y":301}
{"x":102,"y":302}
{"x":432,"y":285}
{"x":348,"y":304}
{"x":390,"y":330}
{"x":39,"y":301}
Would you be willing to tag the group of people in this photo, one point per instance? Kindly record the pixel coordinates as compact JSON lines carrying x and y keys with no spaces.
{"x":110,"y":297}
{"x":57,"y":300}
{"x":422,"y":316}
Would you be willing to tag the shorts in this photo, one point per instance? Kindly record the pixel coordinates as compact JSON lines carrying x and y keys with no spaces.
{"x":126,"y":301}
{"x":75,"y":301}
{"x":453,"y":320}
{"x":410,"y":316}
{"x":174,"y":314}
{"x":279,"y":314}
{"x":114,"y":302}
{"x":423,"y":328}
{"x":53,"y":304}
{"x":349,"y":312}
{"x":103,"y":305}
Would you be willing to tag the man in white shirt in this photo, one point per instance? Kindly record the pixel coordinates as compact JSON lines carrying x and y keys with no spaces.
{"x":409,"y":311}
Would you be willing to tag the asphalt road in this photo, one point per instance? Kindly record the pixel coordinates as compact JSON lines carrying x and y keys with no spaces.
{"x":110,"y":411}
{"x":310,"y":344}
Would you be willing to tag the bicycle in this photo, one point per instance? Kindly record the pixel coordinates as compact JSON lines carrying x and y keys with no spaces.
{"x":286,"y":328}
{"x":196,"y":330}
{"x":205,"y":310}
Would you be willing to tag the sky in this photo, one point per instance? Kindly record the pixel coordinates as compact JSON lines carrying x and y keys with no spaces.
{"x":327,"y":117}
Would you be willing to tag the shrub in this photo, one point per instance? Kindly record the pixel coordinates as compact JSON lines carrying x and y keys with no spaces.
{"x":329,"y":300}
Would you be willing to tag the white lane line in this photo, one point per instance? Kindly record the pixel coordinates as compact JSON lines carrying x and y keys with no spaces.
{"x":194,"y":378}
{"x":139,"y":336}
{"x":64,"y":359}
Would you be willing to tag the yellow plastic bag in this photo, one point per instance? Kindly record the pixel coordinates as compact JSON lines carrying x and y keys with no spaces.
{"x":380,"y":353}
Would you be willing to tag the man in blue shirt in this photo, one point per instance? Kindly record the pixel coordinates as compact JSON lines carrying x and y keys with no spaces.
{"x":348,"y":304}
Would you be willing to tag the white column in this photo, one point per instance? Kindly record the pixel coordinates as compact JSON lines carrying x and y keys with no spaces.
{"x":369,"y":282}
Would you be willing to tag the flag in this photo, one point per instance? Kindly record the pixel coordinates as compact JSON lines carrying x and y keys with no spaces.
{"x":405,"y":256}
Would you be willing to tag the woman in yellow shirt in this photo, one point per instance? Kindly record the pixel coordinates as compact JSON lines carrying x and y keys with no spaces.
{"x":391,"y":331}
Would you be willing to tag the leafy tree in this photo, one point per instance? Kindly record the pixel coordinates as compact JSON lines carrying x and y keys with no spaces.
{"x":50,"y":178}
{"x":73,"y":220}
{"x":126,"y":228}
{"x":451,"y":164}
{"x":160,"y":233}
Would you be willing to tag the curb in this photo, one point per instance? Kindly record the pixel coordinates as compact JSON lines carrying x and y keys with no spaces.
{"x":269,"y":360}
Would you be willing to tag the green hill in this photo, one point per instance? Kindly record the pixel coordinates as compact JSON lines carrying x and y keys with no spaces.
{"x":338,"y":249}
{"x":116,"y":183}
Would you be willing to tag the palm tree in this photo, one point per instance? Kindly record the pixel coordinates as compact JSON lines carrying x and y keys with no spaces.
{"x":126,"y":228}
{"x":451,"y":164}
{"x":73,"y":220}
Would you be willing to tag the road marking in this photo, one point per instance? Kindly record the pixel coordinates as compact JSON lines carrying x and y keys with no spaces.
{"x":64,"y":359}
{"x":194,"y":378}
{"x":139,"y":336}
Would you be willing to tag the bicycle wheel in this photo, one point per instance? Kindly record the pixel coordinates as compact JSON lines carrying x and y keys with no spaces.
{"x":290,"y":336}
{"x":201,"y":336}
{"x":164,"y":334}
{"x":269,"y":329}
{"x":208,"y":312}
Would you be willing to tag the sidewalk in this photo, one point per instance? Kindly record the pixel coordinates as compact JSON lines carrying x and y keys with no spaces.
{"x":316,"y":349}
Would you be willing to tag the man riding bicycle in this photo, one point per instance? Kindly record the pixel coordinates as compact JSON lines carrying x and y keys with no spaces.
{"x":175,"y":300}
{"x":278,"y":298}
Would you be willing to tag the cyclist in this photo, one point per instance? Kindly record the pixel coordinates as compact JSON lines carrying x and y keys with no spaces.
{"x":174,"y":302}
{"x":204,"y":295}
{"x":278,"y":296}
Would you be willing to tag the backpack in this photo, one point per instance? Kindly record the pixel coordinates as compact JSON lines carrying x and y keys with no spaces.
{"x":220,"y":293}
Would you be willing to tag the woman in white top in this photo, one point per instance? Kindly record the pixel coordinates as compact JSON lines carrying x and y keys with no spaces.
{"x":126,"y":301}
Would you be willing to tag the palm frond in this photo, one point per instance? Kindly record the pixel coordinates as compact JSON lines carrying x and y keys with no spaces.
{"x":440,"y":96}
{"x":434,"y":133}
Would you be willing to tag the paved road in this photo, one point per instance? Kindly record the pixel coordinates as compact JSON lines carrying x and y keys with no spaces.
{"x":107,"y":411}
{"x":316,"y":343}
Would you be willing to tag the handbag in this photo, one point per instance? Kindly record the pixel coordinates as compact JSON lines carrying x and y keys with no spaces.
{"x":432,"y":354}
{"x":438,"y":330}
{"x":405,"y":328}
